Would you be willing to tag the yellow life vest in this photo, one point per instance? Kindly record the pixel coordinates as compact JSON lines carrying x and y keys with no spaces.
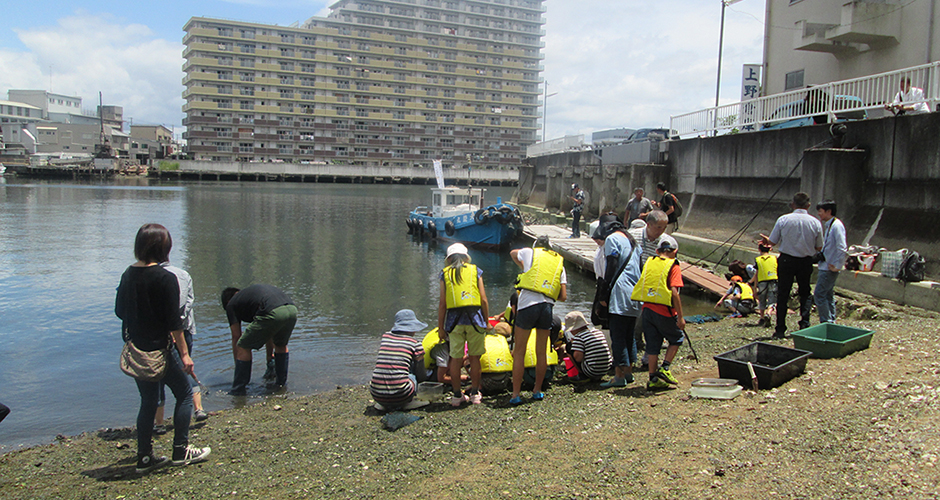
{"x":430,"y":340}
{"x":498,"y":357}
{"x":653,"y":286}
{"x":746,"y":291}
{"x":550,"y":355}
{"x":545,"y":274}
{"x":463,"y":294}
{"x":766,"y":268}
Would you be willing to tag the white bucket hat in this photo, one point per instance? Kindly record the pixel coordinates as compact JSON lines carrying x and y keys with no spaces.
{"x":456,"y":248}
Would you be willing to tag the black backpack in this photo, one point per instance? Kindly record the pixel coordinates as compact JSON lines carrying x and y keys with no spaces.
{"x":912,"y":268}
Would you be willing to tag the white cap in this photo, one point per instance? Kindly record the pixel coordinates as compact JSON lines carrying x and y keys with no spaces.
{"x":456,"y":248}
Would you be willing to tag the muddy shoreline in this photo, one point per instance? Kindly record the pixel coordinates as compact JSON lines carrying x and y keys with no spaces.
{"x":864,"y":426}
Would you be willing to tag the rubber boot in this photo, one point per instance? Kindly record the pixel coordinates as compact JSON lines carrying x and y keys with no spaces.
{"x":269,"y":370}
{"x":242,"y":377}
{"x":280,"y":368}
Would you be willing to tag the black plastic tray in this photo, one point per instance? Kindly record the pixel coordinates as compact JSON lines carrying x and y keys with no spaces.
{"x":773,"y":364}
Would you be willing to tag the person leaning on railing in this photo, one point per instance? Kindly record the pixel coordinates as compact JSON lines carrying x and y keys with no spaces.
{"x":908,"y":100}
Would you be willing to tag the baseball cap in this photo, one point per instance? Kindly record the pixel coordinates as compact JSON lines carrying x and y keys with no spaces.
{"x":667,"y":244}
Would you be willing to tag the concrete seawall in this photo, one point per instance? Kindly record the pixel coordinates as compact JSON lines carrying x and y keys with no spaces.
{"x":884,"y":174}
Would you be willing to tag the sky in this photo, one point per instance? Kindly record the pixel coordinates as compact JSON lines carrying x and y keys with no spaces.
{"x":612,"y":63}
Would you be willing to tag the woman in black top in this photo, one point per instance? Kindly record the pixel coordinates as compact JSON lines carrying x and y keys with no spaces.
{"x":148,"y":304}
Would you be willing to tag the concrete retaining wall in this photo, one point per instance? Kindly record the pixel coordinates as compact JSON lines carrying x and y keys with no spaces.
{"x":884,"y":173}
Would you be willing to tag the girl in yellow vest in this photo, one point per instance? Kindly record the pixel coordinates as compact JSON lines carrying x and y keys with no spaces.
{"x":461,"y":319}
{"x":542,"y":282}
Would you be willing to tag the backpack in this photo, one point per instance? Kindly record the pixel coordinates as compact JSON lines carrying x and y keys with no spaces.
{"x":678,"y":209}
{"x":912,"y":268}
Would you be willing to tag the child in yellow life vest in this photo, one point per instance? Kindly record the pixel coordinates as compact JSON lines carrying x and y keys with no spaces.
{"x":658,"y":289}
{"x":764,"y":283}
{"x":461,"y":319}
{"x":739,"y":298}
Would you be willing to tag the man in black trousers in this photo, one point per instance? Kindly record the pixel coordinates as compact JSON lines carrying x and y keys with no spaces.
{"x":798,"y":236}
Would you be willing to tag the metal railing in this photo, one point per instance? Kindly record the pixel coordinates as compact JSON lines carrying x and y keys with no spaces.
{"x":847,"y":99}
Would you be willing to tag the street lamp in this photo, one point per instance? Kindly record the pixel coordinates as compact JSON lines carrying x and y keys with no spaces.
{"x":545,"y":110}
{"x":721,"y":37}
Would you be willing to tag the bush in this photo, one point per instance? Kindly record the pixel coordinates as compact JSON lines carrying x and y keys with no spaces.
{"x":167,"y":165}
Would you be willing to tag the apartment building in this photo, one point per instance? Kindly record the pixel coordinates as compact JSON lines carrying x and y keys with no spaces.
{"x":377,"y":82}
{"x":811,"y":42}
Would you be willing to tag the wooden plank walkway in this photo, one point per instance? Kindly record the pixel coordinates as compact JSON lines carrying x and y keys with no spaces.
{"x":580,"y":252}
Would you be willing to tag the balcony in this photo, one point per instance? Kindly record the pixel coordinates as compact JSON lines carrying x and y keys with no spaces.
{"x":863,"y":26}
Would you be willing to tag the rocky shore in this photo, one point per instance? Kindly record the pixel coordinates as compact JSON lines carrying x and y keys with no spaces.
{"x":865,"y":426}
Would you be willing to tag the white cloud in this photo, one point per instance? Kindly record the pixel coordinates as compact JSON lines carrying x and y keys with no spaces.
{"x":633,"y":64}
{"x":87,"y":54}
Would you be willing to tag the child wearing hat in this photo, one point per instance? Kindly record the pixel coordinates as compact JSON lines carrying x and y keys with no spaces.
{"x":462,"y":314}
{"x":400,"y":365}
{"x":658,"y":289}
{"x":739,"y":298}
{"x":589,"y":349}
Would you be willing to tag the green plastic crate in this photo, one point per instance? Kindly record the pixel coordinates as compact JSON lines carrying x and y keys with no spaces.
{"x":829,"y":340}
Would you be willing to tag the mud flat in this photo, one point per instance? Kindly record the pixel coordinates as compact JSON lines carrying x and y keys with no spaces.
{"x":864,"y":426}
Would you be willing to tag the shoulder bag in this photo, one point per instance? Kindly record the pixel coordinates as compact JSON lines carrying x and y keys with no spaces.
{"x":147,"y":366}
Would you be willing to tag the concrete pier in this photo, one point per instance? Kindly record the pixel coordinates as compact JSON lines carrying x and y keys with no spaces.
{"x":343,"y":174}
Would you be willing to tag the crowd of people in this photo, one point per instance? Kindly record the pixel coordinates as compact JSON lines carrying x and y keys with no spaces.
{"x":638,"y":279}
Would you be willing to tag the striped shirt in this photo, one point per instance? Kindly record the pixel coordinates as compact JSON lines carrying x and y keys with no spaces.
{"x":597,"y":357}
{"x":400,"y":355}
{"x":649,"y":246}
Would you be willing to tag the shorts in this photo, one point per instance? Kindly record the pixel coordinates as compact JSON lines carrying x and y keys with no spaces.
{"x":469,"y":335}
{"x":745,"y":306}
{"x":766,"y":294}
{"x":657,"y":328}
{"x":495,"y":383}
{"x":276,"y":325}
{"x":538,"y":316}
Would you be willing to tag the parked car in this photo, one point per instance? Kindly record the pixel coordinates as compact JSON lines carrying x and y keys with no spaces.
{"x":649,"y":134}
{"x":780,"y":118}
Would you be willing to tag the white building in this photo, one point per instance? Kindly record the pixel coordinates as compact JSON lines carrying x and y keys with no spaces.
{"x":811,"y":42}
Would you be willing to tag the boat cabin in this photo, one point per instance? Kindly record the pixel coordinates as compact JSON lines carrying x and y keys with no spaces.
{"x":452,"y":201}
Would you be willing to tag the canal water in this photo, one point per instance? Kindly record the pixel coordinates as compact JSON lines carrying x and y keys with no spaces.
{"x":340,"y":250}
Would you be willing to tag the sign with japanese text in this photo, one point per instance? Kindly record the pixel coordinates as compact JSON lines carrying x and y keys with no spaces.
{"x":750,"y":89}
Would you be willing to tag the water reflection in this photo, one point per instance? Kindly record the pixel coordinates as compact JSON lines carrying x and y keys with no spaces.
{"x":341,"y":251}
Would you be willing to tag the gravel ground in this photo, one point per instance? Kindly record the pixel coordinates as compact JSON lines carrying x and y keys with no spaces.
{"x":864,"y":426}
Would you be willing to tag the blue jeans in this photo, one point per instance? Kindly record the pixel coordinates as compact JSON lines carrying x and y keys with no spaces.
{"x":178,"y":382}
{"x":622,"y":344}
{"x":576,"y":224}
{"x":825,"y":296}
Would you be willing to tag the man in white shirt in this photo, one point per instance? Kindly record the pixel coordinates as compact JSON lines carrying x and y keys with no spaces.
{"x":799,"y":236}
{"x":908,"y":100}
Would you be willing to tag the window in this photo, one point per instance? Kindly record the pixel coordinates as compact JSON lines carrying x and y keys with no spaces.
{"x":794,"y":79}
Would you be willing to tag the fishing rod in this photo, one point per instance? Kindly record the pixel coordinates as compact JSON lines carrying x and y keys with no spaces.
{"x":740,"y":232}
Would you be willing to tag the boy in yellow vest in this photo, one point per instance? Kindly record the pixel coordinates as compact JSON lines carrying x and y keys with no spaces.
{"x":739,"y":298}
{"x":658,"y":289}
{"x":764,"y":283}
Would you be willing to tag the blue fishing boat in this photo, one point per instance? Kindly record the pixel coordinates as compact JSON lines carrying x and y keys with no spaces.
{"x":458,"y":214}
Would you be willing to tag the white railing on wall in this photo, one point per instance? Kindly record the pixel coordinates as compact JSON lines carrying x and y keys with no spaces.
{"x":844,"y":99}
